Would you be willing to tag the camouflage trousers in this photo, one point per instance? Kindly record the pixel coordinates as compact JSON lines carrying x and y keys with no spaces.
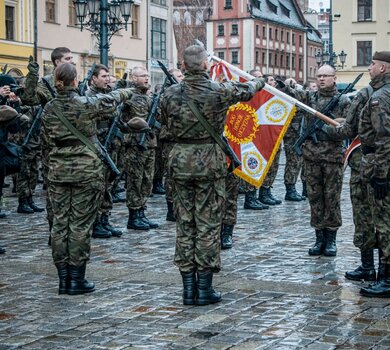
{"x":159,"y":163}
{"x":45,"y":171}
{"x":272,"y":171}
{"x":232,"y":185}
{"x":139,"y":169}
{"x":106,"y":202}
{"x":119,"y":158}
{"x":198,"y":207}
{"x":27,"y":178}
{"x":75,"y":207}
{"x":324,"y":183}
{"x":293,"y":162}
{"x":168,"y":183}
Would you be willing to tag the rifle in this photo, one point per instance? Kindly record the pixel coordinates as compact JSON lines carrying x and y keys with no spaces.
{"x":34,"y":128}
{"x":311,"y":130}
{"x":169,"y":76}
{"x":83,"y":87}
{"x":49,"y":87}
{"x":4,"y":70}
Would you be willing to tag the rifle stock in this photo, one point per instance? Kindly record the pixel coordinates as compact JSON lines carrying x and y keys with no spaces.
{"x":84,"y":85}
{"x":34,"y":128}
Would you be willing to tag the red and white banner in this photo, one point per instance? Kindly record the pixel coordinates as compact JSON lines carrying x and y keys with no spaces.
{"x":354,"y":144}
{"x":255,"y":130}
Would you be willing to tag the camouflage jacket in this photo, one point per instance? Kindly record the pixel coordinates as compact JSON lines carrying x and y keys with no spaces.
{"x":76,"y":163}
{"x":191,"y":157}
{"x":374,"y":130}
{"x":326,"y":149}
{"x":35,"y":90}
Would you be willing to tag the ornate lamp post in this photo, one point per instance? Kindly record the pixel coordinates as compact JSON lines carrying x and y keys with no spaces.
{"x":104,"y":19}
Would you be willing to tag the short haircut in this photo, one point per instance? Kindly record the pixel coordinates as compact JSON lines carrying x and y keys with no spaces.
{"x":194,"y":56}
{"x":58,"y":53}
{"x":98,"y":68}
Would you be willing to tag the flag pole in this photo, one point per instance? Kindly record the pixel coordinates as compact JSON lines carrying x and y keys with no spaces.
{"x":275,"y":91}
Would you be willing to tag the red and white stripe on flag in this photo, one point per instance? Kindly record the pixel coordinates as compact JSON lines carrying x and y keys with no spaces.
{"x":255,"y":130}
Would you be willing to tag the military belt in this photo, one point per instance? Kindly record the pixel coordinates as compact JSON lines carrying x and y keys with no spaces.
{"x":368,"y":149}
{"x":209,"y":140}
{"x":68,"y":143}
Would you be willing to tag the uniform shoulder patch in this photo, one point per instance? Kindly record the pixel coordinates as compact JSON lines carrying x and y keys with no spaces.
{"x":374,"y":103}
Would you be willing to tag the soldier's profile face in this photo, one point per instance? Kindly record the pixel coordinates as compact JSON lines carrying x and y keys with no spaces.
{"x":66,"y":58}
{"x":141,"y":78}
{"x":102,"y":80}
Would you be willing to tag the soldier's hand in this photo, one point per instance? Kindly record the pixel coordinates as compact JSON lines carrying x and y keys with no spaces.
{"x":121,"y":84}
{"x":33,"y":67}
{"x":280,"y":84}
{"x":260,"y":83}
{"x":381,"y":187}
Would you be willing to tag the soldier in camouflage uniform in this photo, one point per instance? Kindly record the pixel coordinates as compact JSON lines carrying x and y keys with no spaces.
{"x":75,"y":177}
{"x":364,"y":236}
{"x":139,"y":162}
{"x":99,"y":85}
{"x":323,"y":162}
{"x":374,"y":133}
{"x":198,"y":168}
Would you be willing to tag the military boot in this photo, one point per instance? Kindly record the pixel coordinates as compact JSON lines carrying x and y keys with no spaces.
{"x":104,"y":219}
{"x":264,"y":197}
{"x":292,"y":194}
{"x":2,"y":215}
{"x":23,"y":207}
{"x":99,"y":231}
{"x":270,"y":195}
{"x":170,"y":212}
{"x":381,"y":266}
{"x":135,"y":222}
{"x":64,"y":277}
{"x":117,"y":198}
{"x":330,"y":239}
{"x":366,"y":271}
{"x":304,"y":189}
{"x":189,"y":287}
{"x":251,"y":202}
{"x":146,"y":220}
{"x":2,"y":250}
{"x":380,"y":289}
{"x":158,"y":187}
{"x":206,"y":294}
{"x":227,"y":236}
{"x":319,"y":245}
{"x":33,"y":206}
{"x":78,"y":284}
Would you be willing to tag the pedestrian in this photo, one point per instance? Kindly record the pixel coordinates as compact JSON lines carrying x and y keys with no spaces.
{"x":374,"y":133}
{"x":198,"y":169}
{"x":76,"y":174}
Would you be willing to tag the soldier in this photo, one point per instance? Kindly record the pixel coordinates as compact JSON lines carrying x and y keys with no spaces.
{"x":198,"y":169}
{"x":99,"y":85}
{"x":374,"y":133}
{"x":139,"y":162}
{"x":76,"y":175}
{"x":323,"y":163}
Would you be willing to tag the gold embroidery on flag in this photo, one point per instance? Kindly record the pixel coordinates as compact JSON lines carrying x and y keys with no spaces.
{"x":241,"y":123}
{"x":276,"y":111}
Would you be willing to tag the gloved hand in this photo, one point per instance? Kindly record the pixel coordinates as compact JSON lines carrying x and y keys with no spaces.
{"x":280,"y":84}
{"x":33,"y":67}
{"x":260,"y":83}
{"x":381,"y":187}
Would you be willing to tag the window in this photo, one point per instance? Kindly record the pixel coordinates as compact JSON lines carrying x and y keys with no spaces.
{"x":221,"y":30}
{"x":228,"y":4}
{"x":235,"y":57}
{"x":159,"y":38}
{"x":160,"y":2}
{"x":263,"y":57}
{"x":281,"y":60}
{"x":264,"y":32}
{"x":72,"y":13}
{"x":187,"y":18}
{"x":257,"y":57}
{"x":285,"y":10}
{"x":287,"y":61}
{"x":199,"y":18}
{"x":257,"y":30}
{"x":364,"y":53}
{"x":270,"y":33}
{"x":282,"y":35}
{"x":10,"y":23}
{"x":221,"y":55}
{"x":134,"y":21}
{"x":234,"y":29}
{"x":364,"y":10}
{"x":288,"y":37}
{"x":300,"y":63}
{"x":276,"y":34}
{"x":300,"y":40}
{"x":272,"y":6}
{"x":293,"y":62}
{"x":276,"y":60}
{"x":51,"y":11}
{"x":270,"y":59}
{"x":293,"y":39}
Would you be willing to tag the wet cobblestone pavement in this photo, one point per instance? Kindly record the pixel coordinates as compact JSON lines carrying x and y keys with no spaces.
{"x":275,"y":296}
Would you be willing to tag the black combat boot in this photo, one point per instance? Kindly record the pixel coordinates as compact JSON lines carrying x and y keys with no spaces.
{"x":23,"y":207}
{"x":146,"y":220}
{"x":64,"y":277}
{"x":117,"y":198}
{"x":330,"y":239}
{"x":270,"y":195}
{"x":78,"y":284}
{"x":189,"y":287}
{"x":251,"y":202}
{"x":33,"y":206}
{"x":107,"y":226}
{"x":135,"y":222}
{"x":2,"y":215}
{"x":381,"y":266}
{"x":319,"y":245}
{"x":292,"y":194}
{"x":2,"y":250}
{"x":206,"y":294}
{"x":264,"y":197}
{"x":366,"y":271}
{"x":380,"y":289}
{"x":304,"y":189}
{"x":158,"y":187}
{"x":227,"y":236}
{"x":170,"y":212}
{"x":99,"y":231}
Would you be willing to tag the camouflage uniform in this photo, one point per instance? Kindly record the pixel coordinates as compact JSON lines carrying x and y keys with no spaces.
{"x":76,"y":174}
{"x":232,"y":185}
{"x":374,"y":132}
{"x":198,"y":166}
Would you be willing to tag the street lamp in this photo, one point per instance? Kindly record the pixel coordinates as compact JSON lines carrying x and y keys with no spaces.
{"x":104,"y":19}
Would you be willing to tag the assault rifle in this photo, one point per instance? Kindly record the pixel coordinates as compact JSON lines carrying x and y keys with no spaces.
{"x":311,"y":130}
{"x":83,"y":87}
{"x":4,"y":70}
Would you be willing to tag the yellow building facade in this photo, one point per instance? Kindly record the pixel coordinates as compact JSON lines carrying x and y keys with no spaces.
{"x":16,"y":35}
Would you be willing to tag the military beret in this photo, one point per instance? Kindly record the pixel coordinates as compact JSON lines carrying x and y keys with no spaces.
{"x":6,"y":79}
{"x":138,"y":124}
{"x":382,"y":56}
{"x":7,"y":113}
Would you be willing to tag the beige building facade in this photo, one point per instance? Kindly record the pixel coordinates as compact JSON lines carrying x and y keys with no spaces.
{"x":362,"y":29}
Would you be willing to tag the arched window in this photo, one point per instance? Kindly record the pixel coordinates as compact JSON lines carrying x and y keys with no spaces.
{"x":176,"y":17}
{"x":187,"y":18}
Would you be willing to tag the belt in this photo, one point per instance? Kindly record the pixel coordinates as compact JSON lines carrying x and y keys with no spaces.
{"x":196,"y":141}
{"x":68,"y":143}
{"x":368,"y":149}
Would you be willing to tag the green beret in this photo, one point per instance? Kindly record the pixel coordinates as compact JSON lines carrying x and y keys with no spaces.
{"x":7,"y":113}
{"x":382,"y":56}
{"x":138,"y":124}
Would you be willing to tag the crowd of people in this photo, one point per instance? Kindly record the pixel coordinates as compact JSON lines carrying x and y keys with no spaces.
{"x":166,"y":142}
